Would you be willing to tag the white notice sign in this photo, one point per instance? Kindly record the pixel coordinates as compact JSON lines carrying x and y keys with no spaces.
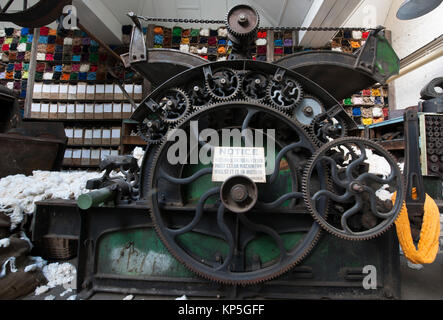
{"x":232,"y":161}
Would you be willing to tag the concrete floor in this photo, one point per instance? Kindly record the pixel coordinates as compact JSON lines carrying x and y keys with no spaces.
{"x":424,"y":284}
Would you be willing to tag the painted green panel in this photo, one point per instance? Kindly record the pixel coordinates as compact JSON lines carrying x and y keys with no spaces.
{"x":137,"y":252}
{"x":387,"y":61}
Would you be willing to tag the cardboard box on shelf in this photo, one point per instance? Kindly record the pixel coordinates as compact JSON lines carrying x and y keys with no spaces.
{"x":98,"y":111}
{"x":95,"y":157}
{"x":89,"y":111}
{"x":109,"y":91}
{"x":70,"y":111}
{"x":44,"y":110}
{"x":53,"y":110}
{"x":63,"y":91}
{"x":54,"y":91}
{"x":117,"y":110}
{"x":37,"y":91}
{"x":87,"y":137}
{"x":86,"y":157}
{"x":81,"y":91}
{"x":76,"y":157}
{"x":129,"y":88}
{"x":46,"y":91}
{"x":90,"y":92}
{"x":80,"y":111}
{"x":106,"y":137}
{"x":138,"y":92}
{"x":35,"y":110}
{"x":61,"y":110}
{"x":115,"y":136}
{"x":107,"y":111}
{"x":127,"y":111}
{"x":67,"y":159}
{"x":118,"y":93}
{"x":97,"y":136}
{"x":69,"y":132}
{"x":72,"y":92}
{"x":99,"y":91}
{"x":78,"y":136}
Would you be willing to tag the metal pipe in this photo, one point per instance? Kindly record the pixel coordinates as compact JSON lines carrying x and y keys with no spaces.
{"x":417,"y":64}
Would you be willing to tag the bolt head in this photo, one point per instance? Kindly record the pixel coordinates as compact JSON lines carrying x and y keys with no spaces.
{"x":239,"y":193}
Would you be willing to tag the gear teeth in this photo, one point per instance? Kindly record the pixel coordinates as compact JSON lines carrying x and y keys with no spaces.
{"x":280,"y":107}
{"x":312,"y":129}
{"x":306,"y":251}
{"x":231,"y":96}
{"x":251,"y":99}
{"x":312,"y":163}
{"x":236,"y":34}
{"x":146,"y":138}
{"x":187,"y":108}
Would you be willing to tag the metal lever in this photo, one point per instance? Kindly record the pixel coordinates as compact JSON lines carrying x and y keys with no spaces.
{"x":412,"y":171}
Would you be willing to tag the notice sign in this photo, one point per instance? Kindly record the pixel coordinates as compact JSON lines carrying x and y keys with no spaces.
{"x":232,"y":161}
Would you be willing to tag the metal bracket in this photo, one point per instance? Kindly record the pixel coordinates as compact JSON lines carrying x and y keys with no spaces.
{"x":137,"y":48}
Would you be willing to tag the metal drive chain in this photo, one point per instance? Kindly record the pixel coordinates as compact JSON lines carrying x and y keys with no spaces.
{"x":203,"y":21}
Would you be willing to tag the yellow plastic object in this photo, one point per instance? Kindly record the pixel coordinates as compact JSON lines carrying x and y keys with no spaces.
{"x":376,"y":92}
{"x":355,"y":44}
{"x":366,"y":121}
{"x":428,"y":244}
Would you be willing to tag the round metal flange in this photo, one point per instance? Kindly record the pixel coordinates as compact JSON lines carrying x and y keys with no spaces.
{"x":242,"y":21}
{"x":239,"y":194}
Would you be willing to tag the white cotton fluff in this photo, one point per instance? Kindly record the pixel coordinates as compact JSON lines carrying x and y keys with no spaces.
{"x":184,"y":48}
{"x":221,"y":58}
{"x":19,"y":192}
{"x":261,"y":42}
{"x":38,"y":264}
{"x":204,"y":32}
{"x":138,"y":153}
{"x":203,"y":50}
{"x":183,"y":297}
{"x":357,"y":35}
{"x":73,"y":297}
{"x":12,"y":268}
{"x":222,"y":32}
{"x":65,"y":292}
{"x":129,"y":297}
{"x":5,"y":242}
{"x":50,"y":297}
{"x":40,"y":290}
{"x":383,"y":194}
{"x":377,"y":112}
{"x":59,"y":273}
{"x":338,"y":49}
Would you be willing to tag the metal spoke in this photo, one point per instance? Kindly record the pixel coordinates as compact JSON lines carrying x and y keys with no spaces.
{"x":344,"y":218}
{"x":334,"y":172}
{"x":279,"y":201}
{"x":373,"y":202}
{"x":251,"y":113}
{"x":331,"y":195}
{"x":356,"y":162}
{"x":280,"y":156}
{"x":229,"y":237}
{"x":198,"y":213}
{"x":265,"y":229}
{"x":195,"y":176}
{"x":376,"y":178}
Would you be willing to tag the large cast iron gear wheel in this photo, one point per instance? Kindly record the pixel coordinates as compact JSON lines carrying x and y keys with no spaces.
{"x":190,"y":212}
{"x":242,"y":21}
{"x":308,"y":108}
{"x":254,"y":86}
{"x":224,"y":84}
{"x":359,"y":213}
{"x":285,"y":94}
{"x":174,"y":105}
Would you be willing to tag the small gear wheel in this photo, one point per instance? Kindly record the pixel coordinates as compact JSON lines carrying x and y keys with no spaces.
{"x":325,"y":128}
{"x":223,"y":84}
{"x":174,"y":105}
{"x":254,"y":86}
{"x":306,"y":111}
{"x":285,"y":94}
{"x":242,"y":21}
{"x":152,"y":130}
{"x":198,"y":95}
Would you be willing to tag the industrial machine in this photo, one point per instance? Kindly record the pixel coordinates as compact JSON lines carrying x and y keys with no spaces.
{"x":176,"y":228}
